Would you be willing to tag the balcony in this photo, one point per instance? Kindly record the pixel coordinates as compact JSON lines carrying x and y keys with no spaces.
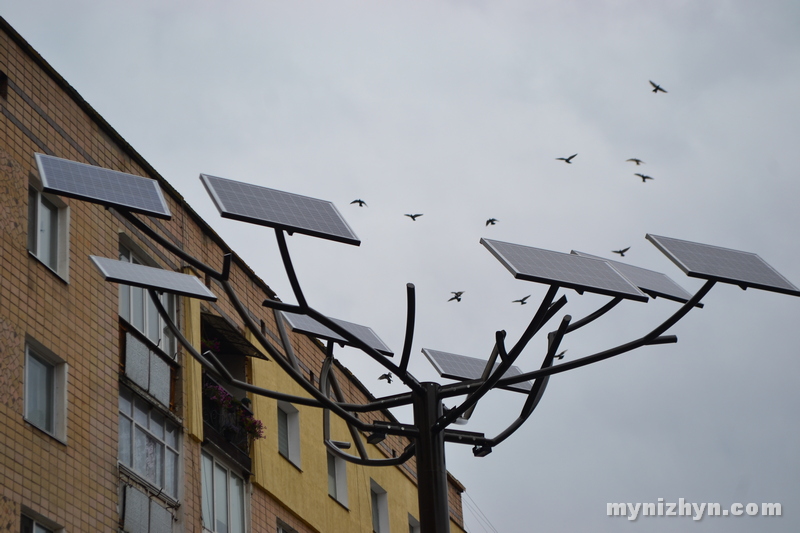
{"x":228,"y":423}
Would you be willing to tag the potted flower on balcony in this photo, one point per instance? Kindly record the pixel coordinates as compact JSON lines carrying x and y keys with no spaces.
{"x":235,"y":415}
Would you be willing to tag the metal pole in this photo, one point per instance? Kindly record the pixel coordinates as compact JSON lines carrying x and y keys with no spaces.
{"x":434,"y":510}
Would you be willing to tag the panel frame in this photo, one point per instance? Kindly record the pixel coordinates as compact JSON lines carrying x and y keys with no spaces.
{"x":790,"y":289}
{"x":51,"y":188}
{"x":105,"y":265}
{"x":633,"y":294}
{"x":230,"y":212}
{"x":314,"y":328}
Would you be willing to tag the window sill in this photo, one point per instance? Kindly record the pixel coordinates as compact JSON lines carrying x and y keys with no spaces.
{"x":297,"y":466}
{"x":56,"y":438}
{"x":342,"y":505}
{"x":64,"y":278}
{"x":151,"y":489}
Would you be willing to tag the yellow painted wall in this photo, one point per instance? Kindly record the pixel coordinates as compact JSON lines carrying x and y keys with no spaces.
{"x":305,"y":490}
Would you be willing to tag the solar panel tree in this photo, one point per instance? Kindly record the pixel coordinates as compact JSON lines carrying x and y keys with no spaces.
{"x":431,"y":427}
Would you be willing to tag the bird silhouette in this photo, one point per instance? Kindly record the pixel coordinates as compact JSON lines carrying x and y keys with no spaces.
{"x":414,"y":217}
{"x":644,"y":178}
{"x":657,"y":87}
{"x":560,"y":355}
{"x":621,"y":252}
{"x":387,"y":376}
{"x":521,"y":301}
{"x":492,"y":222}
{"x":637,"y":161}
{"x":360,"y":202}
{"x":566,"y":159}
{"x":456,"y":296}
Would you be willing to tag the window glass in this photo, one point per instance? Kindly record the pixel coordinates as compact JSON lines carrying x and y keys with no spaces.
{"x":148,"y":442}
{"x":39,"y":392}
{"x":224,"y":495}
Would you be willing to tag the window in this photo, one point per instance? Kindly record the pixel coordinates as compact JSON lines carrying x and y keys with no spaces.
{"x":48,"y":230}
{"x":413,"y":525}
{"x":283,"y":528}
{"x":337,"y":478}
{"x":380,"y":508}
{"x":136,"y":307}
{"x":29,"y":525}
{"x":289,"y":432}
{"x":148,"y":369}
{"x":142,"y":514}
{"x":148,"y":442}
{"x":223,"y":497}
{"x":45,"y":390}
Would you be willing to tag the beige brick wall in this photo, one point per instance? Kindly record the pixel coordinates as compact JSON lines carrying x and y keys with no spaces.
{"x":76,"y":484}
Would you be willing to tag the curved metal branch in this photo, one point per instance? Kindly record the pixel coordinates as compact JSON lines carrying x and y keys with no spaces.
{"x":654,"y":337}
{"x":594,"y":316}
{"x":328,"y":378}
{"x":409,"y":380}
{"x":289,"y":267}
{"x":199,"y":265}
{"x":537,"y":391}
{"x":410,"y":319}
{"x":210,"y":362}
{"x":546,"y":310}
{"x":286,"y":366}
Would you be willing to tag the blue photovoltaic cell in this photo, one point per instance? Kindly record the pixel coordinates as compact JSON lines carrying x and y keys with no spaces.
{"x":651,"y":282}
{"x":563,"y":270}
{"x":309,"y":326}
{"x":722,"y":264}
{"x":463,"y":368}
{"x":152,"y":278}
{"x":278,"y":209}
{"x":102,"y":186}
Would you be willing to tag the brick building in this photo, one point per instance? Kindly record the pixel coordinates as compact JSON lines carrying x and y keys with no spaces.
{"x":106,"y":422}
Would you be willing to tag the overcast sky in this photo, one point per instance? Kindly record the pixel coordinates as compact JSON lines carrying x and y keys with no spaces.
{"x":458,"y":110}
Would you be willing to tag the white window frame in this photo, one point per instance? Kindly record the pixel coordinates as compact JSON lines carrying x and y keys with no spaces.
{"x":209,"y":495}
{"x":159,"y":432}
{"x":149,"y":322}
{"x":290,"y":448}
{"x":58,"y":235}
{"x":337,"y":478}
{"x":379,"y":504}
{"x":36,"y":353}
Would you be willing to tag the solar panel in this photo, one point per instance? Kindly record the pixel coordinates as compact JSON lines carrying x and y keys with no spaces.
{"x":722,"y":264}
{"x":563,"y":270}
{"x":278,"y":209}
{"x":102,"y":186}
{"x":651,"y":282}
{"x":309,"y":326}
{"x":152,"y":278}
{"x":463,"y":368}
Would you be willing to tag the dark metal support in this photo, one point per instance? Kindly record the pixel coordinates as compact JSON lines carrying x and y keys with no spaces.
{"x":434,"y":510}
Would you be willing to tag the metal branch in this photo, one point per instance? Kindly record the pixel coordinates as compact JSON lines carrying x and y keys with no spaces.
{"x":594,"y":316}
{"x":290,"y":272}
{"x":654,"y":337}
{"x":537,"y":391}
{"x":410,"y":319}
{"x":328,"y":378}
{"x":199,"y":265}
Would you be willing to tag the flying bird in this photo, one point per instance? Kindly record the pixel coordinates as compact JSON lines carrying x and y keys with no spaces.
{"x":492,"y":222}
{"x":387,"y":376}
{"x":456,"y":296}
{"x":657,"y":87}
{"x":414,"y":217}
{"x":360,"y":202}
{"x":644,"y":178}
{"x":560,"y":355}
{"x":521,"y":301}
{"x":637,"y":161}
{"x":621,"y":252}
{"x":566,"y":159}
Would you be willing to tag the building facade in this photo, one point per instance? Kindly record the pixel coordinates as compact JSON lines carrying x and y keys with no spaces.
{"x":106,"y":422}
